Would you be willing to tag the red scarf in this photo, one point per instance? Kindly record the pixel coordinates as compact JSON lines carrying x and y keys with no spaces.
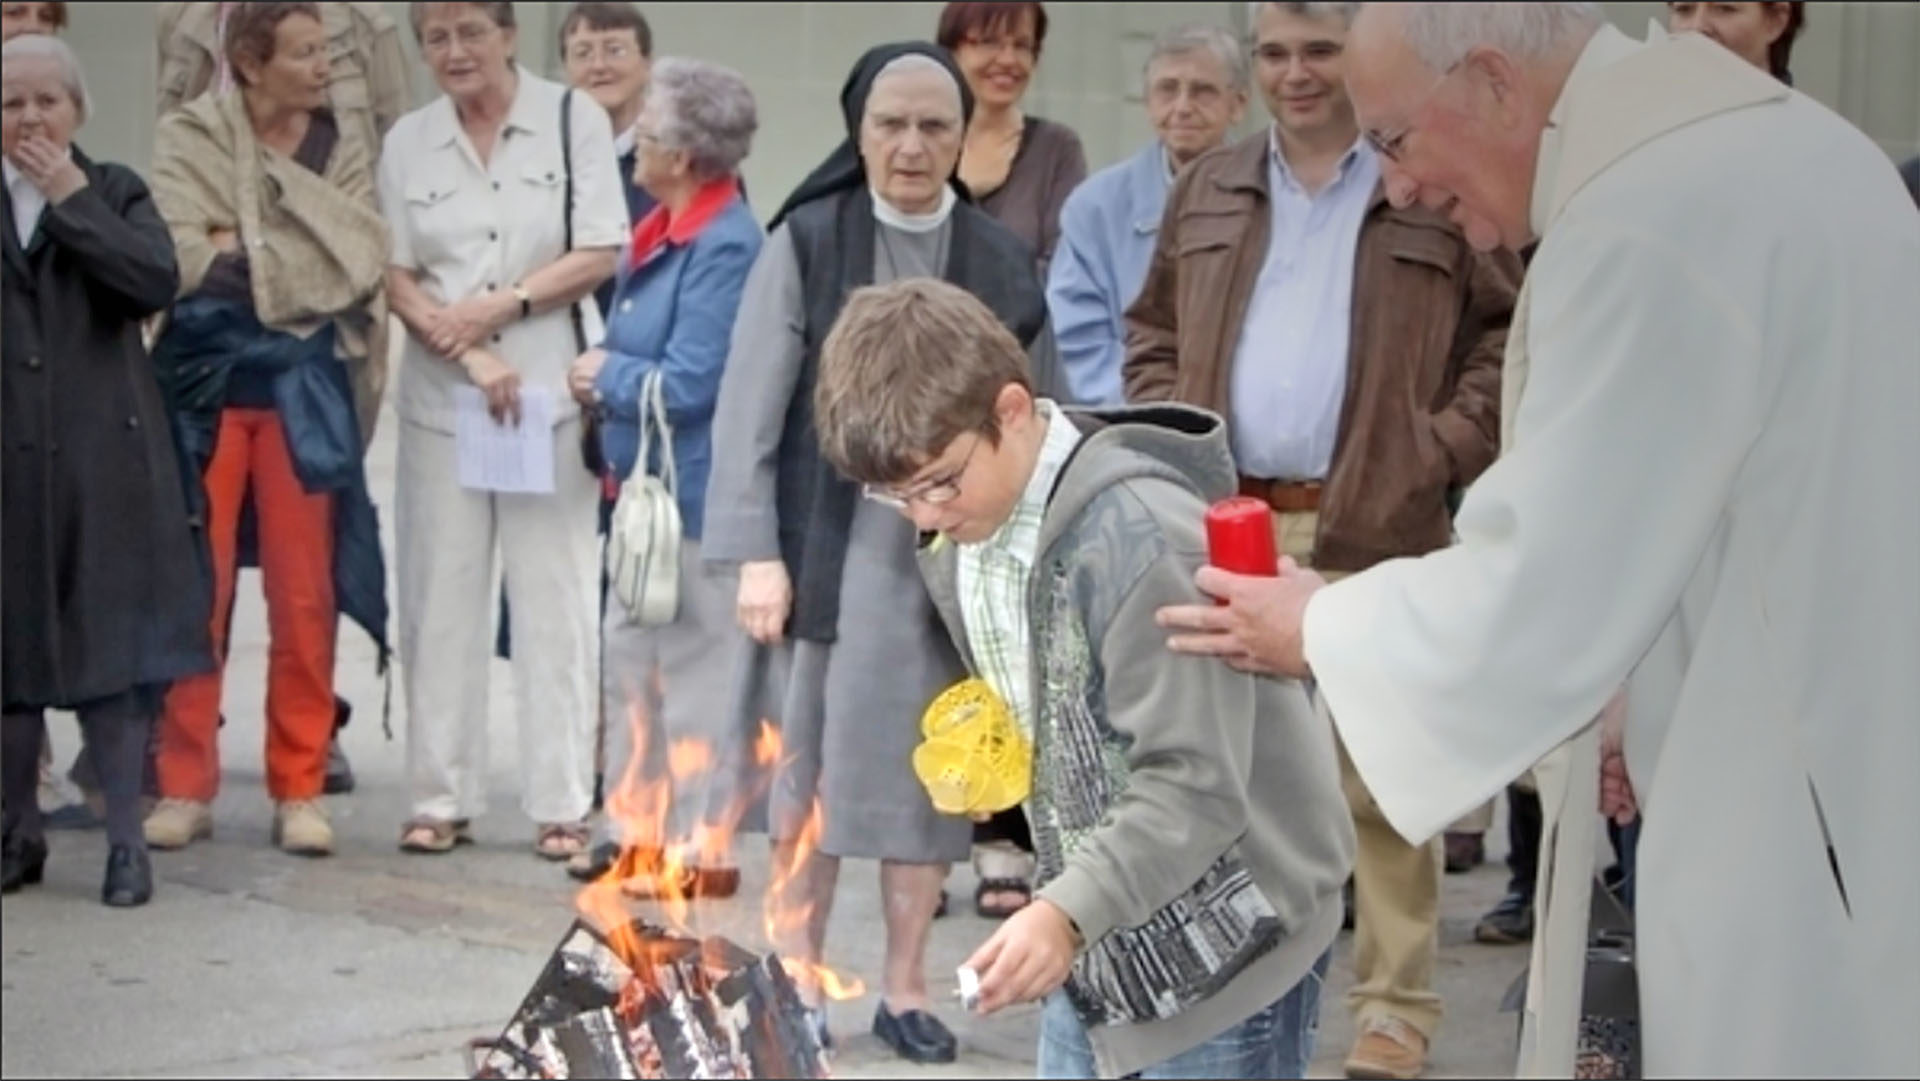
{"x":658,"y":228}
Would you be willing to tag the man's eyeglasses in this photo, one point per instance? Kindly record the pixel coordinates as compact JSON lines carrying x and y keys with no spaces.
{"x":1392,"y":146}
{"x":933,"y":492}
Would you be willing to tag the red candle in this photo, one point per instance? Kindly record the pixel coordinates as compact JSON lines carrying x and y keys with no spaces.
{"x":1240,"y":537}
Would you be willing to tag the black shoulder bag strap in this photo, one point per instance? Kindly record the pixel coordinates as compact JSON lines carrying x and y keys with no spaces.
{"x":590,"y":455}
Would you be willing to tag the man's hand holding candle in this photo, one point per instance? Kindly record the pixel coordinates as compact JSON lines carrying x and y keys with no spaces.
{"x":1257,"y":629}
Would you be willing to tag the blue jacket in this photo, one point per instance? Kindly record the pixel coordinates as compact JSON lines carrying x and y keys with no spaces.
{"x":1107,"y":229}
{"x":674,"y":313}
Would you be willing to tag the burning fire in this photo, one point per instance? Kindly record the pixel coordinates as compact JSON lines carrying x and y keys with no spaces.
{"x":666,"y":869}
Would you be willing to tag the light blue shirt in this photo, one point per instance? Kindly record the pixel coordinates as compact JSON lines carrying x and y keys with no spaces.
{"x":1290,"y":364}
{"x":1107,"y":229}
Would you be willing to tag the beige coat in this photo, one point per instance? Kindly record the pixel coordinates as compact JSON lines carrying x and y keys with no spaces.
{"x":369,"y":86}
{"x":317,"y":247}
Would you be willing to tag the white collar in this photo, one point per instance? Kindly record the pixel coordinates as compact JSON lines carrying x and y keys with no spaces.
{"x":623,"y":143}
{"x":1603,"y":49}
{"x":887,"y":214}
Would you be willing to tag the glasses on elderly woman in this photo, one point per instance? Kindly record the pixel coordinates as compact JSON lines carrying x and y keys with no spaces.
{"x":1392,"y":146}
{"x":934,"y":492}
{"x":585,"y":52}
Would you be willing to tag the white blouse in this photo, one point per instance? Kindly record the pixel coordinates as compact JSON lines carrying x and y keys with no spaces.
{"x":465,"y":228}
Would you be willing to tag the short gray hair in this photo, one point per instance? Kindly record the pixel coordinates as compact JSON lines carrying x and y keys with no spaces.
{"x":706,"y":110}
{"x":1193,"y":37}
{"x":1310,"y":10}
{"x":1442,"y":34}
{"x":31,"y":46}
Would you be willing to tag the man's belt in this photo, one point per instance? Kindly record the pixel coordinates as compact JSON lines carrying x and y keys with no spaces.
{"x":1286,"y":496}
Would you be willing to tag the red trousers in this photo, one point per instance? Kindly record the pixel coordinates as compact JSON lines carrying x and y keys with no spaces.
{"x":296,"y":567}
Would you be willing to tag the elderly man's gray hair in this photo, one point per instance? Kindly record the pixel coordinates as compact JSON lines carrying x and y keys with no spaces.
{"x":1442,"y":34}
{"x":1310,"y":10}
{"x":705,"y":110}
{"x":30,"y":46}
{"x":1192,"y":37}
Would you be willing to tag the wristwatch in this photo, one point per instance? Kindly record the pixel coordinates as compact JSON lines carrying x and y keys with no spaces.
{"x":525,"y":298}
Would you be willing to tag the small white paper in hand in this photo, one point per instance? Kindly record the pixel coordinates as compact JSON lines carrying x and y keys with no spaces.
{"x":496,"y":457}
{"x":969,"y":987}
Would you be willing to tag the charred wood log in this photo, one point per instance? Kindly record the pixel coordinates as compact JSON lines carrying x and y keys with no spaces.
{"x":644,"y":1003}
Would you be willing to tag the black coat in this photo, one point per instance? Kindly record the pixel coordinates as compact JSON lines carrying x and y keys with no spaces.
{"x":106,"y":582}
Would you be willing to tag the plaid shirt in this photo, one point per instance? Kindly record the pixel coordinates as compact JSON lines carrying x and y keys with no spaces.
{"x":994,"y":573}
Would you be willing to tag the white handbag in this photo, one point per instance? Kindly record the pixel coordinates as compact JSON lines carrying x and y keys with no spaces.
{"x":643,"y":541}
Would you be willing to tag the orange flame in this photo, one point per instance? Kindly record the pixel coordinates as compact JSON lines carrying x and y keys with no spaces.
{"x":639,"y":806}
{"x":786,"y":918}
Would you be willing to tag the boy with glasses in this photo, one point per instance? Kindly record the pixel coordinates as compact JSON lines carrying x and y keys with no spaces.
{"x":1191,"y":835}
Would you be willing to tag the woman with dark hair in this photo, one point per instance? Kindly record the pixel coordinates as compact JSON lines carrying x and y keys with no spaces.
{"x":281,"y":254}
{"x":1761,"y":33}
{"x":826,"y":569}
{"x":34,"y":18}
{"x":1018,"y":167}
{"x":106,"y":598}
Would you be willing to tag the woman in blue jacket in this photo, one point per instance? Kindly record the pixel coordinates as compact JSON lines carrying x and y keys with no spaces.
{"x":671,"y":317}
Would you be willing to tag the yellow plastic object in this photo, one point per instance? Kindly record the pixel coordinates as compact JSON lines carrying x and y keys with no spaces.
{"x":974,"y":757}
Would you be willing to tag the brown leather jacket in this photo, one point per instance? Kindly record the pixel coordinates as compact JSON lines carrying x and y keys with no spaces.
{"x":1421,"y":412}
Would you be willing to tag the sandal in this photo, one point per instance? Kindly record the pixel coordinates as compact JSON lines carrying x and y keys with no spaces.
{"x":433,"y":835}
{"x":560,"y":840}
{"x":1001,"y":885}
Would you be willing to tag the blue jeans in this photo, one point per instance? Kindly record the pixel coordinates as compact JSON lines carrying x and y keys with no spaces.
{"x":1275,"y":1042}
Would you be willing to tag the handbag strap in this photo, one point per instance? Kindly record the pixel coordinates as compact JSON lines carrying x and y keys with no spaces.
{"x":566,"y":209}
{"x":654,"y":426}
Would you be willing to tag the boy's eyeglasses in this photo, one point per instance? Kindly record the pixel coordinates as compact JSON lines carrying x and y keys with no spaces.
{"x":934,"y":491}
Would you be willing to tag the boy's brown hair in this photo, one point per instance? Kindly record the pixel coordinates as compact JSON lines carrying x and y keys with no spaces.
{"x":907,"y":368}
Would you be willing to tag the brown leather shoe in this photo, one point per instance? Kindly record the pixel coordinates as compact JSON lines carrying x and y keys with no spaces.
{"x":1388,"y":1049}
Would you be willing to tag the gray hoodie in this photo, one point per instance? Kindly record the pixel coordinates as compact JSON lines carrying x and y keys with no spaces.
{"x":1186,"y":816}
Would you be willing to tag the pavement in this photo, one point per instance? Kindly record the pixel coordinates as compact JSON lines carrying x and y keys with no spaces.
{"x":249,"y":962}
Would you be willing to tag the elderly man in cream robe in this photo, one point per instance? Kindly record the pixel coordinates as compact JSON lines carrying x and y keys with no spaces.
{"x":1707,"y":495}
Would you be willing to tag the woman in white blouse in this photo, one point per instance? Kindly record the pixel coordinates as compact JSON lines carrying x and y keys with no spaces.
{"x":475,"y":187}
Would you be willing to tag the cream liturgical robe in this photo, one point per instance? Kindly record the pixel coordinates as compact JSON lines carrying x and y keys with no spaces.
{"x":1710,"y":494}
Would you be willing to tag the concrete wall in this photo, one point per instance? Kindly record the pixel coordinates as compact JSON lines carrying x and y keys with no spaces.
{"x":1862,"y":59}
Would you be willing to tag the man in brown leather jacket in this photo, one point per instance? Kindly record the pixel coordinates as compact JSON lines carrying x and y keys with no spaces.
{"x":1354,"y":350}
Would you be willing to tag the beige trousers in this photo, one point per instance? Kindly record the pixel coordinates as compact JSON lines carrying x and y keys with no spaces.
{"x":1396,"y":885}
